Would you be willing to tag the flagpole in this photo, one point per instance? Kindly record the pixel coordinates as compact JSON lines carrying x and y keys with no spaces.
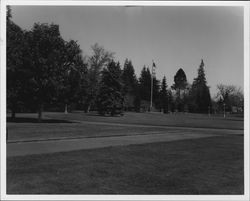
{"x":151,"y":98}
{"x":152,"y":80}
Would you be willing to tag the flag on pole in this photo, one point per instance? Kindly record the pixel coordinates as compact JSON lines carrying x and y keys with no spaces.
{"x":153,"y":69}
{"x":154,"y":64}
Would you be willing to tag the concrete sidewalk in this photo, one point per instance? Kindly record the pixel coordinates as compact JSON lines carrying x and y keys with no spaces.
{"x":64,"y":145}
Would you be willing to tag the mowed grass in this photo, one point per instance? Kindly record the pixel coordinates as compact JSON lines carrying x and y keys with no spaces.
{"x":31,"y":131}
{"x":69,"y":125}
{"x":200,"y":166}
{"x":159,"y":119}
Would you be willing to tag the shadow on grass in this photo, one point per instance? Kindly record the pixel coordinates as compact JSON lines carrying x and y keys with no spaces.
{"x":35,"y":120}
{"x":105,"y":115}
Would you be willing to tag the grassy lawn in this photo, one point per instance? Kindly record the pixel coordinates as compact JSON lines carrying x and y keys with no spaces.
{"x":28,"y":131}
{"x":181,"y":120}
{"x":201,"y":166}
{"x":56,"y":125}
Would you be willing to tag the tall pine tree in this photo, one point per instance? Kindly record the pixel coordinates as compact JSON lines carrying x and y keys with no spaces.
{"x":110,"y":98}
{"x":145,"y":84}
{"x":156,"y":93}
{"x":164,"y":95}
{"x":200,"y":91}
{"x":130,"y":83}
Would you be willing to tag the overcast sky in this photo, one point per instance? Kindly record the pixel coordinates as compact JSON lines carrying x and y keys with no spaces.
{"x":174,"y":37}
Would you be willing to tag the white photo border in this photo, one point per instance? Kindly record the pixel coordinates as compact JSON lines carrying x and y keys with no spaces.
{"x":4,"y":3}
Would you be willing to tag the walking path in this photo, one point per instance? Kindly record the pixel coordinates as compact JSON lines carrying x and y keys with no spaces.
{"x":64,"y":145}
{"x":40,"y":145}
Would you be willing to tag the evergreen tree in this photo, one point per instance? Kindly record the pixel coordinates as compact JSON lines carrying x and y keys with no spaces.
{"x":200,"y":91}
{"x":110,"y":97}
{"x":156,"y":93}
{"x":171,"y":105}
{"x":180,"y":84}
{"x":145,"y":84}
{"x":164,"y":95}
{"x":145,"y":80}
{"x":201,"y":78}
{"x":137,"y":100}
{"x":130,"y":82}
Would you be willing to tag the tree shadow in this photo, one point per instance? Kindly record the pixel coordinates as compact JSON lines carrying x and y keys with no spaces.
{"x":35,"y":120}
{"x":105,"y":115}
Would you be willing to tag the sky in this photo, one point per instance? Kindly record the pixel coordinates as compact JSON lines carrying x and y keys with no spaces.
{"x":173,"y":36}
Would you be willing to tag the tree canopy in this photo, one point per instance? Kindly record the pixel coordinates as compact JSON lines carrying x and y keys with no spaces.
{"x":43,"y":70}
{"x":97,"y":61}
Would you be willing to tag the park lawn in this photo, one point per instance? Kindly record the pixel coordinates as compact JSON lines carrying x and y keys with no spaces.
{"x":159,"y":119}
{"x":57,"y":125}
{"x":36,"y":131}
{"x":200,"y":166}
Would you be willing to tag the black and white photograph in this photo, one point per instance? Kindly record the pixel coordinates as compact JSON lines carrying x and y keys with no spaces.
{"x":124,"y":99}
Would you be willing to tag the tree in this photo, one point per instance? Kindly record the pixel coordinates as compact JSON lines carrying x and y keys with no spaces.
{"x":74,"y":69}
{"x":16,"y":52}
{"x":97,"y":62}
{"x":130,"y":81}
{"x":145,"y":84}
{"x":110,"y":97}
{"x":164,"y":95}
{"x":231,"y":96}
{"x":200,"y":91}
{"x":145,"y":80}
{"x":171,"y":104}
{"x":180,"y":83}
{"x":156,"y":92}
{"x":46,"y":68}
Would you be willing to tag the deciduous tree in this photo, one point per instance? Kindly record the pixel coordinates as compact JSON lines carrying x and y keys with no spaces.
{"x":99,"y":59}
{"x":16,"y":72}
{"x":230,"y":95}
{"x":180,"y":84}
{"x":46,"y":63}
{"x":74,"y":69}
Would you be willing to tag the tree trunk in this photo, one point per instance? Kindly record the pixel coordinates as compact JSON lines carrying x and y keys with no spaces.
{"x":88,"y":109}
{"x":66,"y":109}
{"x":13,"y":114}
{"x":40,"y":110}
